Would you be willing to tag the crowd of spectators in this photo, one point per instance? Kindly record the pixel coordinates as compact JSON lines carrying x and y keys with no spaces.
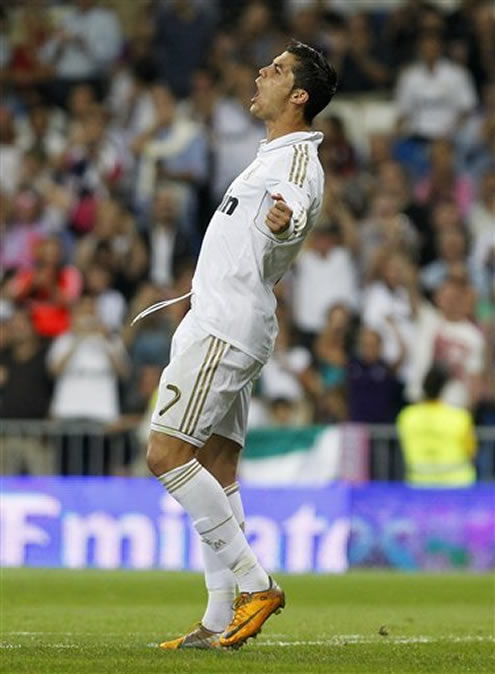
{"x":122,"y":124}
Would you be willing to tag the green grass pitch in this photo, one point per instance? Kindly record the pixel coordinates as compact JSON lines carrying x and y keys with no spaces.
{"x":94,"y":622}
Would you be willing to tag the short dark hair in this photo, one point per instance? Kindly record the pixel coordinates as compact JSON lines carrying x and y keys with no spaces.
{"x":435,"y":380}
{"x":315,"y":75}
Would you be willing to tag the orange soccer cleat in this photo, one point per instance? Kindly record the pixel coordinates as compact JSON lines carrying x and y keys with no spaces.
{"x":199,"y":637}
{"x":251,"y":611}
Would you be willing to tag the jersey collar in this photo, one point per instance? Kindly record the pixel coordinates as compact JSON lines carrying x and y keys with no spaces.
{"x":290,"y":139}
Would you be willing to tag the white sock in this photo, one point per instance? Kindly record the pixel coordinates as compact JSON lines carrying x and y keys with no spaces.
{"x":205,"y":501}
{"x":220,"y":581}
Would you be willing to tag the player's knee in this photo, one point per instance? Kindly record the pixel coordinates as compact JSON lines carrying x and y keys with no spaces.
{"x":166,"y":453}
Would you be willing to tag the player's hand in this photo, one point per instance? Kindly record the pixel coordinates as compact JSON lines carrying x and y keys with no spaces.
{"x":279,"y":215}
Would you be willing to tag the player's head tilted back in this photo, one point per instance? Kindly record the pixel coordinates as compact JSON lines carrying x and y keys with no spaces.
{"x":298,"y":84}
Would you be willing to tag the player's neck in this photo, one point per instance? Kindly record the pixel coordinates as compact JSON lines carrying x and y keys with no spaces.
{"x":281,"y":127}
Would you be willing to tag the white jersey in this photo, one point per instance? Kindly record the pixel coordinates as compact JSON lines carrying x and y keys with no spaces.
{"x":241,"y":259}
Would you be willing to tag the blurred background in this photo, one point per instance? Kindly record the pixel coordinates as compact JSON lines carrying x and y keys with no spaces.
{"x":121,"y":126}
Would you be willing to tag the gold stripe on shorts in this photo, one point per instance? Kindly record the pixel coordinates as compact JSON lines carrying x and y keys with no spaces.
{"x":204,"y":364}
{"x":205,"y":387}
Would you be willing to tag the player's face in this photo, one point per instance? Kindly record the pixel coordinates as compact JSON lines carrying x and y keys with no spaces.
{"x":273,"y":87}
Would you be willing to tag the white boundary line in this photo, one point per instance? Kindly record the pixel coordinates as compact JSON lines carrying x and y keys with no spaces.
{"x":337,"y":640}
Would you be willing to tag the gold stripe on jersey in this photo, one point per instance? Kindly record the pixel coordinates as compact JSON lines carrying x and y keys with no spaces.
{"x":206,"y":386}
{"x":294,"y":162}
{"x":301,"y":174}
{"x":300,"y":161}
{"x":213,"y":341}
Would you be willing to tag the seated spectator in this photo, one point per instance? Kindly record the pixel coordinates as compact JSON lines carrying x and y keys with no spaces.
{"x":434,"y":95}
{"x":444,"y":334}
{"x":442,"y":180}
{"x":26,"y":393}
{"x":451,"y":251}
{"x":437,"y":439}
{"x":86,"y":365}
{"x":374,"y":393}
{"x":48,"y":290}
{"x":324,"y":276}
{"x":393,"y":294}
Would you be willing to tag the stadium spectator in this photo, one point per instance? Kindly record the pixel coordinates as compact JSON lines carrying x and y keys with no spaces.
{"x":286,"y":377}
{"x":48,"y":289}
{"x":385,"y":226}
{"x":374,"y":392}
{"x":115,"y":243}
{"x":21,"y":232}
{"x":451,"y":249}
{"x":259,"y":38}
{"x":110,"y":303}
{"x":434,"y":95}
{"x":26,"y":392}
{"x":86,"y":365}
{"x":444,"y":334}
{"x":86,"y":42}
{"x":437,"y":439}
{"x":324,"y":276}
{"x":178,"y":25}
{"x":390,"y":305}
{"x":331,"y":350}
{"x":363,"y":66}
{"x":442,"y":181}
{"x":10,"y":153}
{"x":481,"y":217}
{"x":169,"y":246}
{"x":235,"y":132}
{"x":172,"y":148}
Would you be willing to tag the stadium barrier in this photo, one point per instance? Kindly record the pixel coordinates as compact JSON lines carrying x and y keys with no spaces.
{"x":306,"y":456}
{"x":112,"y":522}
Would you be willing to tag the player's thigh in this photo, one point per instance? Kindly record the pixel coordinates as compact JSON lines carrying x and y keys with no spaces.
{"x":233,"y":426}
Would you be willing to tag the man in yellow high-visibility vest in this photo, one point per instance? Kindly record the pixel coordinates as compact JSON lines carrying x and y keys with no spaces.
{"x":438,"y":440}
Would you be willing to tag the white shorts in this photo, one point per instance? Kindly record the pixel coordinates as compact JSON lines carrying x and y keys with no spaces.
{"x":206,"y":387}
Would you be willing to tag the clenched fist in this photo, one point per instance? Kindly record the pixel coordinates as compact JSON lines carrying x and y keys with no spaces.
{"x":279,"y":215}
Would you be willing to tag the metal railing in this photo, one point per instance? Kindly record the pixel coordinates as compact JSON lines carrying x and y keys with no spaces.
{"x":84,"y":448}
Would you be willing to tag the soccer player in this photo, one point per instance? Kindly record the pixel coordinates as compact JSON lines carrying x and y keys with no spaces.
{"x":199,"y":422}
